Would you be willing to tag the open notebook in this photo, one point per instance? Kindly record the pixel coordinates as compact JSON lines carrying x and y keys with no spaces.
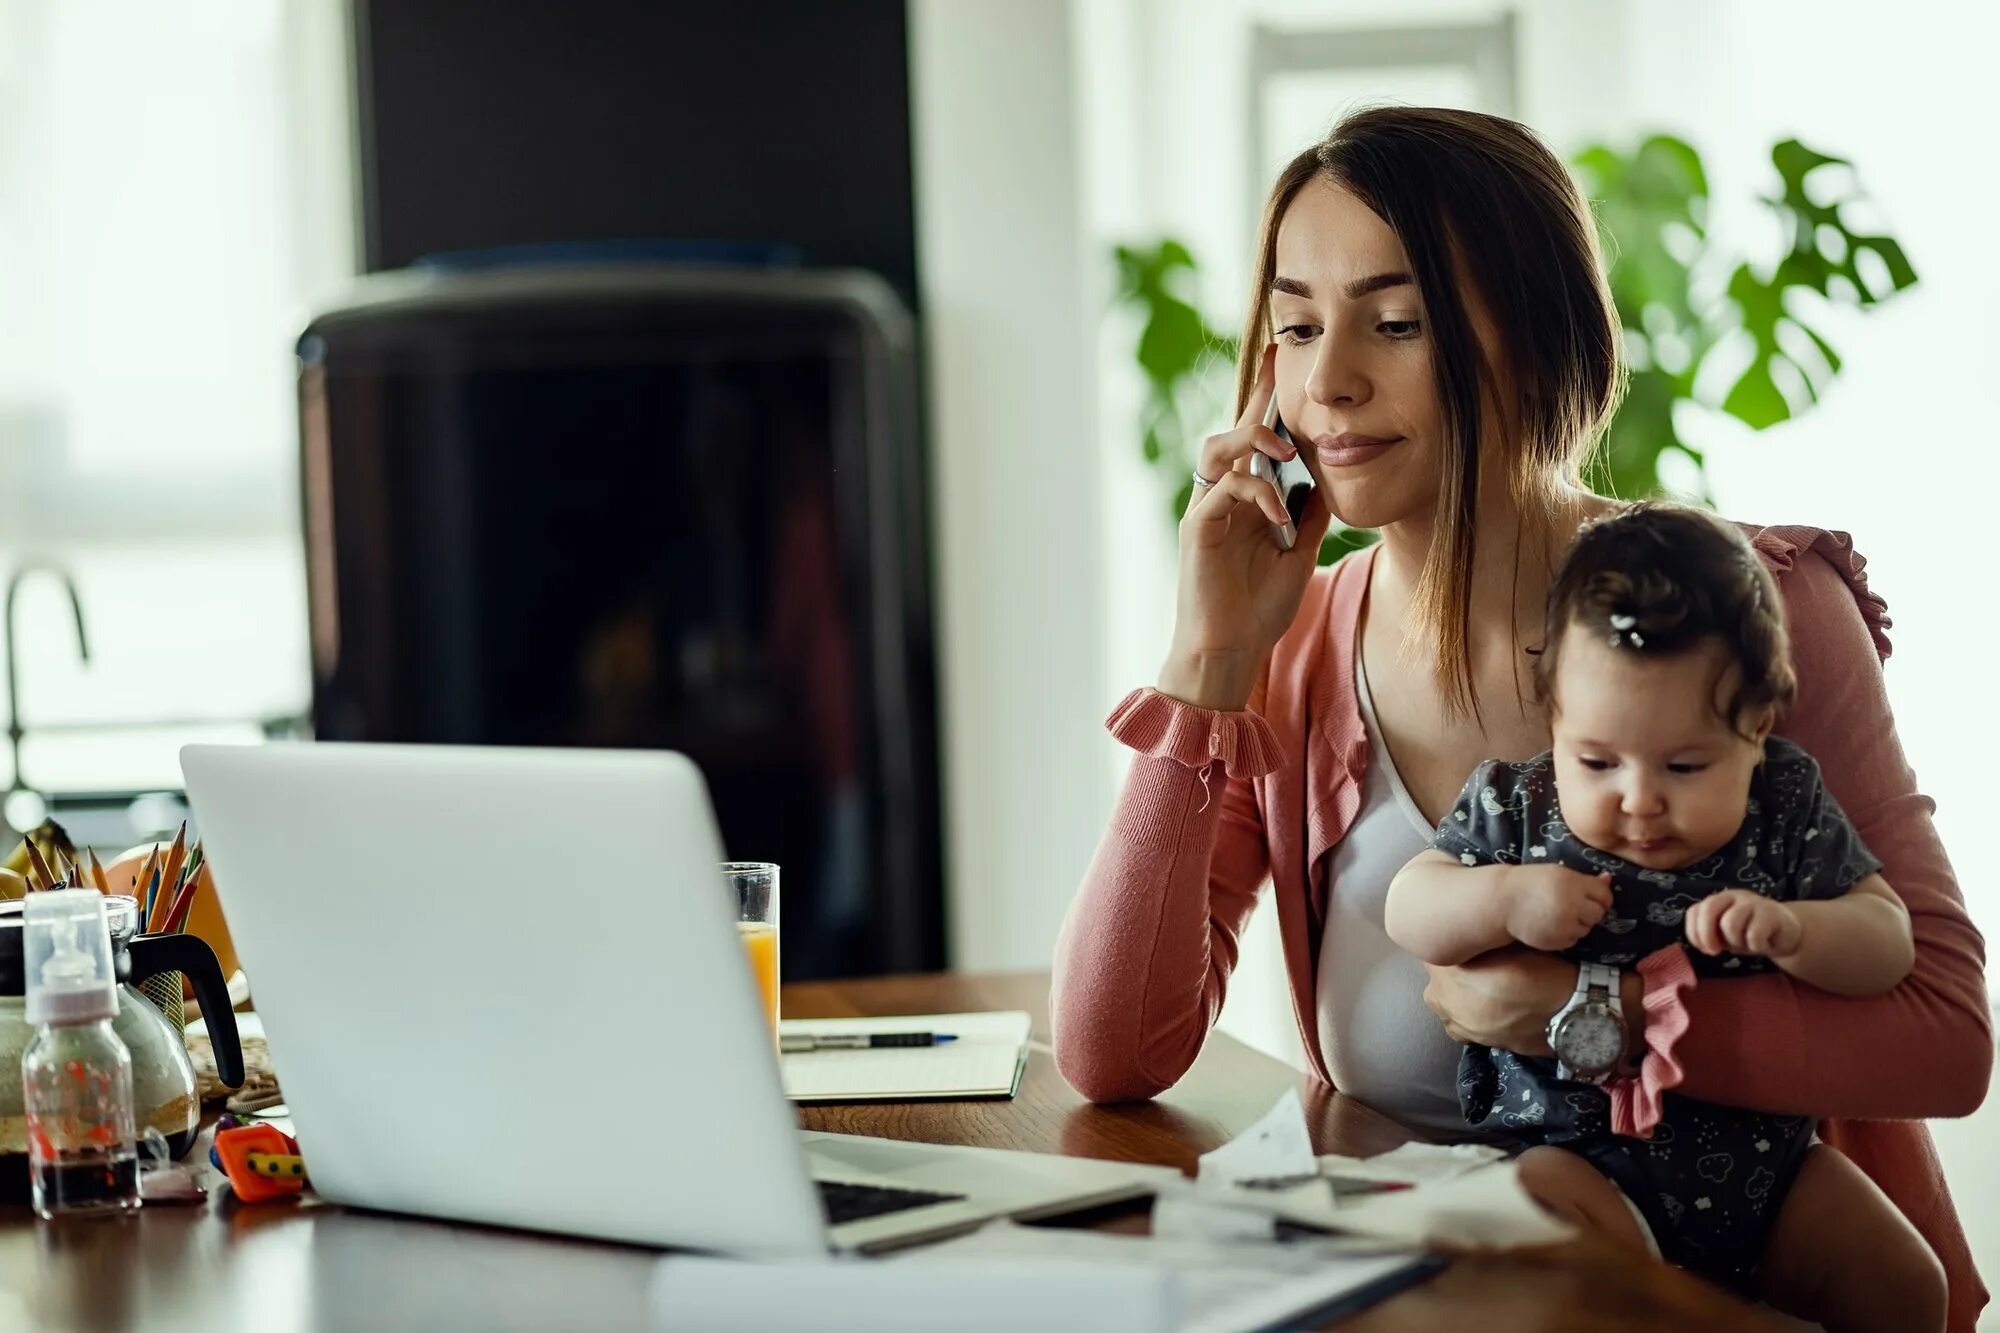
{"x":985,"y":1061}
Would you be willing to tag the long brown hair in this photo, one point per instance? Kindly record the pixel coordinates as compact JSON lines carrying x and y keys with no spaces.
{"x":1479,"y":199}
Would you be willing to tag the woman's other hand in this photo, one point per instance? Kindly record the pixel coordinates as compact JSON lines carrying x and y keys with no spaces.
{"x":1505,"y":999}
{"x":1238,"y":590}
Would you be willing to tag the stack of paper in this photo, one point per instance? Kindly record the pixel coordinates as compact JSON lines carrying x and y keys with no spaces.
{"x":985,"y":1059}
{"x":1218,"y":1286}
{"x":970,"y":1295}
{"x":1460,"y":1195}
{"x":1214,"y":1263}
{"x":1006,"y":1276}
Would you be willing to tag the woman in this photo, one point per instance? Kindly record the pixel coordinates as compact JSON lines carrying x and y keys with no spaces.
{"x":1431,"y":321}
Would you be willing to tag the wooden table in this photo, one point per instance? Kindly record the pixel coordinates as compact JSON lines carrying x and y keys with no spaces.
{"x":316,"y":1268}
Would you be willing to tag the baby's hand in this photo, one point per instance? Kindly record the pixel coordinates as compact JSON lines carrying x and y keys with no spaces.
{"x":1741,"y":922}
{"x":1552,"y":907}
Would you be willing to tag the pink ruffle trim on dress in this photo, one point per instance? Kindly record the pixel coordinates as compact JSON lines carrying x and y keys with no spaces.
{"x":1781,"y":546}
{"x":1635,"y":1102}
{"x":1162,"y":726}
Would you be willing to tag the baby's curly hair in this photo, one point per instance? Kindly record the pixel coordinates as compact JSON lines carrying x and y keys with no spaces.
{"x":1658,"y":579}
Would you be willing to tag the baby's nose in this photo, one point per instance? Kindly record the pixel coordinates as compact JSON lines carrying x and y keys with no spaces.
{"x":1644,"y":798}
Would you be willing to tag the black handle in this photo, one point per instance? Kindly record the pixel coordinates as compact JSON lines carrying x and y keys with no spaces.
{"x":154,"y":954}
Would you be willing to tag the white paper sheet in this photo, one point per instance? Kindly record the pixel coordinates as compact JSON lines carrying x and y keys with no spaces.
{"x":1415,"y":1163}
{"x":1182,"y":1212}
{"x":1226,"y":1287}
{"x":1487,"y":1207}
{"x":1483,"y":1206}
{"x":985,"y":1061}
{"x":968,"y":1294}
{"x":1276,"y":1147}
{"x":1462,"y":1194}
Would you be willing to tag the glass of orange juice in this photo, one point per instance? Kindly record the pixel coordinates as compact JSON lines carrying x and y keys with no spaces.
{"x":755,"y":884}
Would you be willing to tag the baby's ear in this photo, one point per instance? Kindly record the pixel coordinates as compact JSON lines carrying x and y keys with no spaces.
{"x":1764,"y":719}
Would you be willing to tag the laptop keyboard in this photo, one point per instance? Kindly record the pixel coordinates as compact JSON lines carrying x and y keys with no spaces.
{"x":851,"y":1203}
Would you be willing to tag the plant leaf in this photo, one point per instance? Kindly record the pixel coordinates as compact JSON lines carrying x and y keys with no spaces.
{"x":1171,"y":342}
{"x":1761,"y":304}
{"x":1755,"y":400}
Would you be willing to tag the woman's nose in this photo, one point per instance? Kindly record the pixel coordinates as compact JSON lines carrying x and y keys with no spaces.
{"x":1336,"y":380}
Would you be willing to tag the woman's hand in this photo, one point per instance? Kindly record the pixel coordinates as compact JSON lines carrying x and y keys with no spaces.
{"x":1238,"y":591}
{"x":1505,"y":999}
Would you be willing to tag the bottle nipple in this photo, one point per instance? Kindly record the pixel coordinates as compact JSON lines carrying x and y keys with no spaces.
{"x":69,"y":966}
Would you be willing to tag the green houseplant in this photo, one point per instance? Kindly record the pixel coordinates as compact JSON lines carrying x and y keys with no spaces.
{"x":1691,"y":310}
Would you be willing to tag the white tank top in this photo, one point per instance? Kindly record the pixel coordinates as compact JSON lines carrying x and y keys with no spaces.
{"x":1381,"y":1043}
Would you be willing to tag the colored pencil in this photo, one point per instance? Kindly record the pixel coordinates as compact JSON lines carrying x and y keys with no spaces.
{"x":143,"y":885}
{"x":39,"y":866}
{"x":183,"y":903}
{"x":163,"y":892}
{"x":97,"y":874}
{"x":145,"y":874}
{"x":156,"y":903}
{"x":176,"y":856}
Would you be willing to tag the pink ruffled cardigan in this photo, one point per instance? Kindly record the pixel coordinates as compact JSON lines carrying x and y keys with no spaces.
{"x":1217,"y":802}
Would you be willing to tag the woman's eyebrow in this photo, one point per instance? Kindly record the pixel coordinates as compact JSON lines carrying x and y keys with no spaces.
{"x":1353,"y":291}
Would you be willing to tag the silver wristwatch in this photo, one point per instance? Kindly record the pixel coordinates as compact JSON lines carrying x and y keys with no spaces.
{"x":1588,"y":1033}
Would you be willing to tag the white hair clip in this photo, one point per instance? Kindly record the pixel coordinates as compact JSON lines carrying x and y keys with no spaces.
{"x":1624,"y":629}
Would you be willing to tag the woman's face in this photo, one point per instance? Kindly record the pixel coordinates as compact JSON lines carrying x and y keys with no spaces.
{"x":1354,"y":359}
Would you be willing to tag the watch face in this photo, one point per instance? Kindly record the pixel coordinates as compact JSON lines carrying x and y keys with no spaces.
{"x":1589,"y":1040}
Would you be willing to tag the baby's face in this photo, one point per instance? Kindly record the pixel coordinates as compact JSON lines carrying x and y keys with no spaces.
{"x":1646,"y":766}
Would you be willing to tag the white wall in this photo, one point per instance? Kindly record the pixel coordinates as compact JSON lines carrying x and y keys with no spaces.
{"x":1020,"y":574}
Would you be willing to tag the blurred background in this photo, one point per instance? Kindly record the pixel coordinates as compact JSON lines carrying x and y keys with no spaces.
{"x":806,"y":385}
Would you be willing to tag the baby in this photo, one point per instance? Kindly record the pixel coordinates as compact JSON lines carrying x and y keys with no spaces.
{"x":1667,"y":811}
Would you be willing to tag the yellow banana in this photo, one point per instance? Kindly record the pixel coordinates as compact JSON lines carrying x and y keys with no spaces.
{"x":49,"y":838}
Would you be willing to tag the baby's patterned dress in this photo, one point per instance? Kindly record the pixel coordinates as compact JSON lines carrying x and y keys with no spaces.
{"x":1710,"y":1178}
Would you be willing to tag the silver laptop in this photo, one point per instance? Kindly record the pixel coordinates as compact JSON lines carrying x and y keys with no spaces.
{"x":504,"y":986}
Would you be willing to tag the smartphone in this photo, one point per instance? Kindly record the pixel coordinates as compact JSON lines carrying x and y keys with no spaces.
{"x":1291,"y":477}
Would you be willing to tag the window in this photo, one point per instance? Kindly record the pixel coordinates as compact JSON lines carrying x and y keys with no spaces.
{"x":1302,"y":81}
{"x":175,"y":193}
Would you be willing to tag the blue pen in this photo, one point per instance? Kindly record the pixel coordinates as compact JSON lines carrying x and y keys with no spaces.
{"x":860,"y":1041}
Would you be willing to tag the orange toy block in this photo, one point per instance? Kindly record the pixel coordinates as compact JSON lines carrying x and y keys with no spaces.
{"x":236,"y":1148}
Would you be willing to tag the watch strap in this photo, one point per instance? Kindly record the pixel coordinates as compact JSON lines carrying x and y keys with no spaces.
{"x":1601,"y":981}
{"x":1597,"y":984}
